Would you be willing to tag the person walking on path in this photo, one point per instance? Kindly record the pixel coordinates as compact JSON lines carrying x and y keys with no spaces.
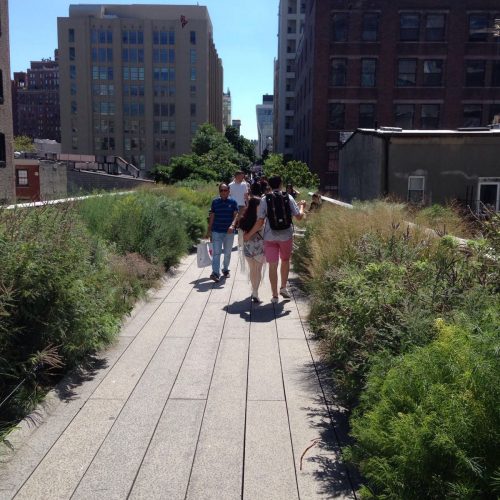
{"x":275,"y":213}
{"x":238,"y":190}
{"x":221,"y":223}
{"x":253,"y":249}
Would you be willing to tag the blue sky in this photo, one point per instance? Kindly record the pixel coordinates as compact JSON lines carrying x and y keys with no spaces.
{"x":245,"y":33}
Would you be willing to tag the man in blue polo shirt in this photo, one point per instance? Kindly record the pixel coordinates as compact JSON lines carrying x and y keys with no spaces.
{"x":221,"y":224}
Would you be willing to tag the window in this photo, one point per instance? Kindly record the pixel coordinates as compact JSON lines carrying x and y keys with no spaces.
{"x":409,"y":27}
{"x":435,"y":27}
{"x":193,"y":74}
{"x":192,"y":37}
{"x":192,"y":56}
{"x":429,"y":118}
{"x":474,"y":73}
{"x":74,"y":142}
{"x":403,"y":116}
{"x":22,"y":177}
{"x":473,"y":114}
{"x":370,"y":27}
{"x":194,"y":127}
{"x":478,"y":27}
{"x":368,"y":72}
{"x":366,"y":115}
{"x":338,"y":75}
{"x":488,"y":193}
{"x":71,"y":35}
{"x":433,"y":72}
{"x":1,"y":87}
{"x":73,"y":88}
{"x":495,"y":74}
{"x":336,"y":115}
{"x":72,"y":72}
{"x":193,"y":109}
{"x":340,"y":25}
{"x":72,"y":53}
{"x":494,"y":114}
{"x":3,"y":155}
{"x":416,"y":185}
{"x":407,"y":73}
{"x":73,"y":107}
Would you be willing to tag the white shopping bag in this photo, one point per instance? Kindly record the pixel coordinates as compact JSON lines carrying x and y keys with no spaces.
{"x":204,"y":254}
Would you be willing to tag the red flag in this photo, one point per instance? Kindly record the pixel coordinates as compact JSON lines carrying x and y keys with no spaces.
{"x":184,"y":21}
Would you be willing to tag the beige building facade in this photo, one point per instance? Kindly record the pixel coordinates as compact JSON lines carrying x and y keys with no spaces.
{"x":7,"y":174}
{"x":136,"y":81}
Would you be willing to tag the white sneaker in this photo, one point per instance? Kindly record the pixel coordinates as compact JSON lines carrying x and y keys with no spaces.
{"x":275,"y":300}
{"x":285,"y":293}
{"x":255,"y":299}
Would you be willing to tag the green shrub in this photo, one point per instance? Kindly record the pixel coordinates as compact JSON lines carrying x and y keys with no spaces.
{"x":429,"y":426}
{"x":146,"y":222}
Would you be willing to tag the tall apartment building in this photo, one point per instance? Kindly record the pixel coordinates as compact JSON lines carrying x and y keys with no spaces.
{"x":136,"y":81}
{"x":265,"y":124}
{"x":415,"y":64}
{"x":226,"y":109}
{"x":7,"y":189}
{"x":290,"y":28}
{"x":35,"y":100}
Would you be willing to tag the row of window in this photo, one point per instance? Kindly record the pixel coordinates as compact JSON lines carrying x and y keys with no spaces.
{"x":413,"y":27}
{"x":404,"y":115}
{"x":131,"y":37}
{"x":413,"y":72}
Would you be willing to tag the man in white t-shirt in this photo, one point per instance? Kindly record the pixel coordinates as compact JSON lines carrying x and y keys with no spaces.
{"x":238,"y":191}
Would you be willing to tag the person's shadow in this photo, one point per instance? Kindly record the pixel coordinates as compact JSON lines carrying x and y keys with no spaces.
{"x":256,"y":313}
{"x":203,"y":285}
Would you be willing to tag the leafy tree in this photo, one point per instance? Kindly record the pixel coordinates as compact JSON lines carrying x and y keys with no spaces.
{"x":214,"y":158}
{"x":207,"y":137}
{"x":24,"y":143}
{"x":243,"y":145}
{"x":295,"y":172}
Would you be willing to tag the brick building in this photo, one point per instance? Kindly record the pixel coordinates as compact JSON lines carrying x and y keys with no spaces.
{"x":35,"y":101}
{"x":415,"y":64}
{"x":136,"y":80}
{"x":7,"y":189}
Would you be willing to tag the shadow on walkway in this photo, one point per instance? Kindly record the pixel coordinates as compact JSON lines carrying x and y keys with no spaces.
{"x":330,"y":418}
{"x":256,"y":313}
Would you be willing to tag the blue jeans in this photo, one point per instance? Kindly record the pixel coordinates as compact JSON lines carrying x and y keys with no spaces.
{"x":221,"y":242}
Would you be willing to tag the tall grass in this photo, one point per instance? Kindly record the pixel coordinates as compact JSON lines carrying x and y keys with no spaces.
{"x":146,"y":222}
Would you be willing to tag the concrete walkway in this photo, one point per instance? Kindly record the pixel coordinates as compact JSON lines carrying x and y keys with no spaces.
{"x":204,"y":396}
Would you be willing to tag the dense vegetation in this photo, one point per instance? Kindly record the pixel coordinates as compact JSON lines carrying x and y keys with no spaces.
{"x":214,"y":158}
{"x":294,"y":172}
{"x":410,"y":325}
{"x":70,"y":272}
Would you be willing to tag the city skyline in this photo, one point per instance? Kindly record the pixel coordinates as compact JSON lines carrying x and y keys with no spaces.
{"x":248,"y":77}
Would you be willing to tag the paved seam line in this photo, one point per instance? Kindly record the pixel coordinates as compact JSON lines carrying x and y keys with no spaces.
{"x":286,"y":406}
{"x":252,"y":305}
{"x":209,"y":386}
{"x":171,"y":389}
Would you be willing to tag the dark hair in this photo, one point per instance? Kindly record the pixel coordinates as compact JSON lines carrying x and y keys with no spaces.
{"x":255,"y":189}
{"x":249,"y":217}
{"x":275,"y":181}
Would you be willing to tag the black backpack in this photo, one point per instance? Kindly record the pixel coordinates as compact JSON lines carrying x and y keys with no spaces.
{"x":279,"y":212}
